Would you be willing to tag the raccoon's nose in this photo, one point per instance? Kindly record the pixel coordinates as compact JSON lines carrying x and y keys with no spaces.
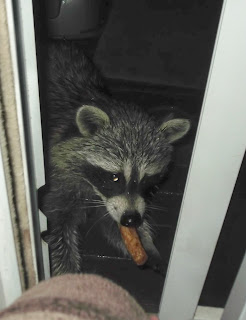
{"x":131,"y":219}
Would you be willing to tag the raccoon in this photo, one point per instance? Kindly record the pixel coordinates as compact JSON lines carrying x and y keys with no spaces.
{"x":102,"y":153}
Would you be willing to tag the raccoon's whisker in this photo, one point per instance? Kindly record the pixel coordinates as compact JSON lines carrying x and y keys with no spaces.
{"x":96,"y":202}
{"x":149,"y":226}
{"x":93,"y":201}
{"x":104,"y":216}
{"x":54,"y":210}
{"x":155,"y":205}
{"x":156,"y":208}
{"x":93,"y":206}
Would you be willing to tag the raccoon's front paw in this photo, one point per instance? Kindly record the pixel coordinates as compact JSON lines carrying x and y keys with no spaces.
{"x":45,"y":236}
{"x":157,"y":265}
{"x":160,"y":268}
{"x":49,"y":238}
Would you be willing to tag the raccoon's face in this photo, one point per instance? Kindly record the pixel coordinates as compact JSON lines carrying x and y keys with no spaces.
{"x":128,"y":207}
{"x":124,"y":191}
{"x":125,"y":153}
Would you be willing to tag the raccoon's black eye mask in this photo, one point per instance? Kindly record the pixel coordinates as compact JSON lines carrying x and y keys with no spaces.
{"x":114,"y":184}
{"x":148,"y":185}
{"x":108,"y":183}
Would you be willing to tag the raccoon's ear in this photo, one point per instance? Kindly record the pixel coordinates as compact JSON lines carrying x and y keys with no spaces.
{"x":175,"y":129}
{"x":90,"y":119}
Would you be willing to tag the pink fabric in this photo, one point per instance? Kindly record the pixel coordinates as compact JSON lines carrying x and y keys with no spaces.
{"x":78,"y":296}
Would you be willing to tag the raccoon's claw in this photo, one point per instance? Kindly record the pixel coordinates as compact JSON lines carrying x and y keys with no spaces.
{"x":156,"y":265}
{"x":160,"y":268}
{"x":45,"y":236}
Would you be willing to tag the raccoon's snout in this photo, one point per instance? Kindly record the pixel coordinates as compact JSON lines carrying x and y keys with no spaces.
{"x":131,"y":219}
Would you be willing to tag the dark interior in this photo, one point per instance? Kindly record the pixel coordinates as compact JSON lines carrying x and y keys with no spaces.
{"x":157,"y":54}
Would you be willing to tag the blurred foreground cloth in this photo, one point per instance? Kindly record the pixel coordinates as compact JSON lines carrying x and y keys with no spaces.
{"x":75,"y":297}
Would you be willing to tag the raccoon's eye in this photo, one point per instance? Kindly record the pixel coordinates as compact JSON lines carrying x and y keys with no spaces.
{"x":149,"y":182}
{"x":115,"y":178}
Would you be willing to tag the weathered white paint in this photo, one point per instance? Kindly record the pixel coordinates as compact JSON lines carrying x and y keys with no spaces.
{"x":19,"y":109}
{"x":10,"y":284}
{"x":30,"y":101}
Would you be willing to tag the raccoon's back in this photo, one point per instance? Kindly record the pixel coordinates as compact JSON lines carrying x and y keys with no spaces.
{"x":71,"y":80}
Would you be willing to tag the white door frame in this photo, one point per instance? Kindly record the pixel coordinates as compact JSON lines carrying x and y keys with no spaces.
{"x":218,"y":152}
{"x":236,"y":305}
